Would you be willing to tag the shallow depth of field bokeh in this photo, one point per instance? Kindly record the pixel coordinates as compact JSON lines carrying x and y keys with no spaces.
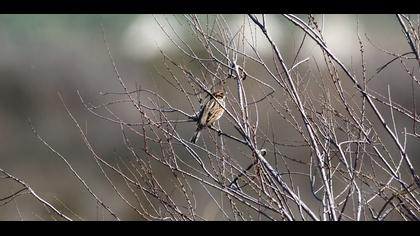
{"x":43,"y":55}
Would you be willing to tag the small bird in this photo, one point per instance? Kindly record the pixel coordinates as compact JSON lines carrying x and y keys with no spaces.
{"x":210,"y":113}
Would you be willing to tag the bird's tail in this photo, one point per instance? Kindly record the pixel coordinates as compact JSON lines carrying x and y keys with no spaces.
{"x":196,"y":136}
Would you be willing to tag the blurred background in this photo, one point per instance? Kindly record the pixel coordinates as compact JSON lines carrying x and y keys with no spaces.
{"x":41,"y":55}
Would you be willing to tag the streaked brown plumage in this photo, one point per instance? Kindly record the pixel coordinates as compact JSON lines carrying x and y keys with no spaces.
{"x":210,"y":113}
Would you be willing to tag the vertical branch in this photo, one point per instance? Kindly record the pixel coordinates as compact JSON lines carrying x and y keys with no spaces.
{"x":308,"y":126}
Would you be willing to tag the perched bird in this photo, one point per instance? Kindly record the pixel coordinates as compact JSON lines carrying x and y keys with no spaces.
{"x":210,"y":113}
